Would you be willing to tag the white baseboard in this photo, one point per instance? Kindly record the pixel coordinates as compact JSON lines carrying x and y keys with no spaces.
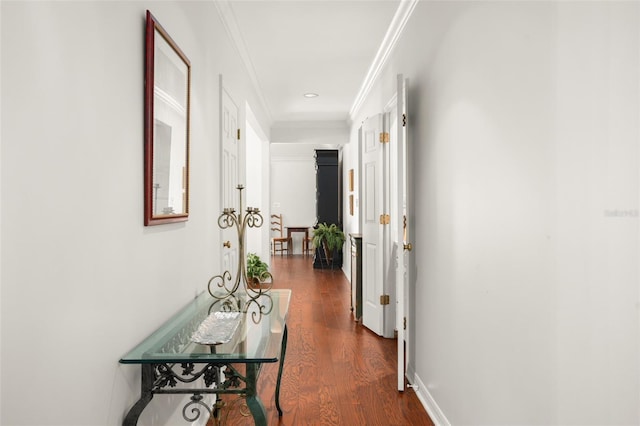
{"x":427,"y":400}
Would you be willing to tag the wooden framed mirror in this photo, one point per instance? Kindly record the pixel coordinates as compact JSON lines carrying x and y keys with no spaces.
{"x":167,"y":93}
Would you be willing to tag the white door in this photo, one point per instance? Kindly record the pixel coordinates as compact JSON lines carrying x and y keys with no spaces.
{"x":229,"y":180}
{"x":372,"y":207}
{"x":401,"y":229}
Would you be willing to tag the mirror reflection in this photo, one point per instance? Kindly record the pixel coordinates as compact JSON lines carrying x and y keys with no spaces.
{"x":167,"y":128}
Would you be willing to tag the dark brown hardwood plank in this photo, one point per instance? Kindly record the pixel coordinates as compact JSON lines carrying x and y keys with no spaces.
{"x":336,"y":371}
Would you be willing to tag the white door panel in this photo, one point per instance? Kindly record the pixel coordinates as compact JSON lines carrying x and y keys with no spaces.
{"x":372,"y":235}
{"x":229,"y":179}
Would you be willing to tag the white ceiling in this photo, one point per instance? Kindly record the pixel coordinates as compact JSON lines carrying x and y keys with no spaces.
{"x":298,"y":46}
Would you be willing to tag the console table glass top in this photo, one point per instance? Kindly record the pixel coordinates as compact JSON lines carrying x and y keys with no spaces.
{"x":253,"y":342}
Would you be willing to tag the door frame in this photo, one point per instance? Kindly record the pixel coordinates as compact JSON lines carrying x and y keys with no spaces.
{"x":262,"y":195}
{"x":400,"y":206}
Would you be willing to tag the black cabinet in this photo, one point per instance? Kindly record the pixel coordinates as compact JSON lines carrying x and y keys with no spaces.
{"x":328,"y":188}
{"x":328,"y":198}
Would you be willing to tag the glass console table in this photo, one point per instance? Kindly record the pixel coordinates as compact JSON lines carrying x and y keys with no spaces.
{"x":169,"y":358}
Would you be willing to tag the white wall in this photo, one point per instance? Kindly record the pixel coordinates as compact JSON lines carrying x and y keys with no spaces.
{"x":83,"y":281}
{"x":293,"y":179}
{"x":350,"y":158}
{"x":293,"y":186}
{"x":598,"y":131}
{"x":318,"y":133}
{"x":524,"y":127}
{"x":258,"y":152}
{"x":254,"y":179}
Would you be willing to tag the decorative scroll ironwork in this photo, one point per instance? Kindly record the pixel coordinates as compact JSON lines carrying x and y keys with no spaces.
{"x":229,"y":304}
{"x":223,"y":286}
{"x":165,"y":375}
{"x":218,"y":378}
{"x":196,"y":405}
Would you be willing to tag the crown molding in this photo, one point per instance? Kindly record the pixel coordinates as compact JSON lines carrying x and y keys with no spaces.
{"x":400,"y":18}
{"x":231,"y":26}
{"x":404,"y":11}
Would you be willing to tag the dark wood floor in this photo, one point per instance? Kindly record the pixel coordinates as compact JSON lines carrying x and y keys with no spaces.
{"x":336,"y":371}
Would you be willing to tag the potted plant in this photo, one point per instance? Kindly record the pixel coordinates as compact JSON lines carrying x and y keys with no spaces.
{"x":329,"y":238}
{"x":257,"y":270}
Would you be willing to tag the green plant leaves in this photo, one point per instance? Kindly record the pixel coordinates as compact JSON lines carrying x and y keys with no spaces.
{"x":256,"y":267}
{"x":329,"y":234}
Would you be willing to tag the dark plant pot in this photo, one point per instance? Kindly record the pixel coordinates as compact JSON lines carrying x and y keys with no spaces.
{"x":328,"y":254}
{"x":253,"y":282}
{"x":322,"y":261}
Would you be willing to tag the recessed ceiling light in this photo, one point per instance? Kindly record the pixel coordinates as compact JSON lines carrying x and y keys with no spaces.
{"x":310,"y":95}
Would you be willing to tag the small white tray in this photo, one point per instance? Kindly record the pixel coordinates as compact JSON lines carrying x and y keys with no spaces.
{"x":217,"y":328}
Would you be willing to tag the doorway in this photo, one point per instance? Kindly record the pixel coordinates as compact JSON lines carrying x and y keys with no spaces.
{"x":257,"y":175}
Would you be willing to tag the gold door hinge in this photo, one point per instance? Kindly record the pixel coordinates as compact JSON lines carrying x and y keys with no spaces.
{"x":238,"y":134}
{"x":384,"y":137}
{"x":385,"y":219}
{"x":384,"y":299}
{"x":404,"y":120}
{"x":404,"y":323}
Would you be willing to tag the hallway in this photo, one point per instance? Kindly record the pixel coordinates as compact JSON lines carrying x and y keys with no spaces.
{"x":336,"y":372}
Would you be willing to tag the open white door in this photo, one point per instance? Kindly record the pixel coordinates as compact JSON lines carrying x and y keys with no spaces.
{"x":400,"y":231}
{"x":372,"y":207}
{"x":229,"y":135}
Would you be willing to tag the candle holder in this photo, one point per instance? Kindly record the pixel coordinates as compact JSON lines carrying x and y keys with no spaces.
{"x":224,"y":286}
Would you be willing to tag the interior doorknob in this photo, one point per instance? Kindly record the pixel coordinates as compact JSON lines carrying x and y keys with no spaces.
{"x":227,"y":244}
{"x":408,"y":246}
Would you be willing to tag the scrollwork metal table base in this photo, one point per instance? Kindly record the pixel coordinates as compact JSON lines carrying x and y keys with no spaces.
{"x":161,"y":378}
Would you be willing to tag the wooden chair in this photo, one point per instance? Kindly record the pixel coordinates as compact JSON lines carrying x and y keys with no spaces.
{"x":279,"y":243}
{"x":307,"y":246}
